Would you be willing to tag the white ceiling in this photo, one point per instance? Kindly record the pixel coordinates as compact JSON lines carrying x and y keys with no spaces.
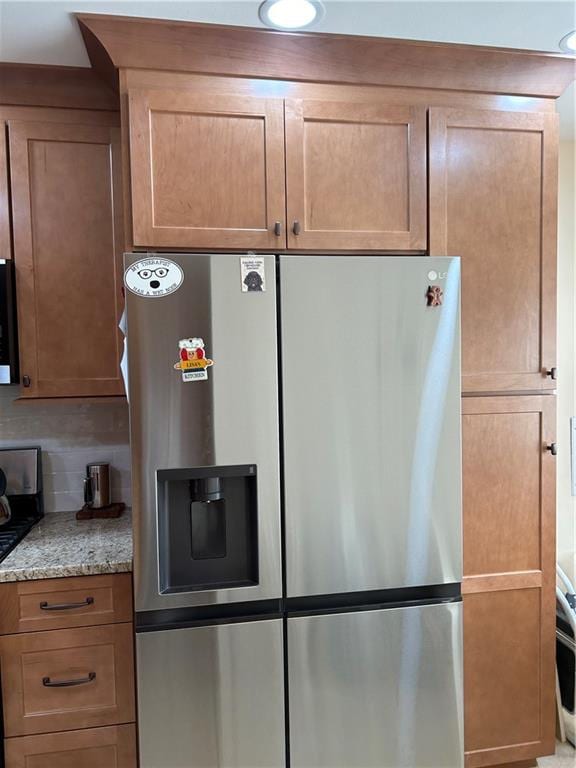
{"x":46,"y":33}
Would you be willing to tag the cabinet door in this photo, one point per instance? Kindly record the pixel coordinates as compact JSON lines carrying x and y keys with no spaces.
{"x":67,"y":679}
{"x":111,"y":747}
{"x":356,"y":176}
{"x":509,"y":578}
{"x":493,"y":202}
{"x":207,"y":171}
{"x":66,"y":198}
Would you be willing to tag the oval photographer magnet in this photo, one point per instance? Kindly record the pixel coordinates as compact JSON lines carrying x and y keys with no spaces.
{"x":153,"y":277}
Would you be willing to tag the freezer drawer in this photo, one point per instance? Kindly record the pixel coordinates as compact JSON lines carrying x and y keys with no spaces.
{"x":377,"y":689}
{"x":212,"y":697}
{"x":371,"y":399}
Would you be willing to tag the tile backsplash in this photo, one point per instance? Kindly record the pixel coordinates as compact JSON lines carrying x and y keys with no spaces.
{"x":71,"y":435}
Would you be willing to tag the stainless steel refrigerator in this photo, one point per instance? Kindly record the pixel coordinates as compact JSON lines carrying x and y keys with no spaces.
{"x":295,"y":427}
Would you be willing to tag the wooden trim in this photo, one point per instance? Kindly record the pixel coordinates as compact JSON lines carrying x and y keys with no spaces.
{"x":521,"y":764}
{"x":503,"y":756}
{"x":47,"y":86}
{"x":498,"y":582}
{"x":285,"y":89}
{"x":479,"y":404}
{"x":245,"y":52}
{"x":5,"y":238}
{"x":57,"y":115}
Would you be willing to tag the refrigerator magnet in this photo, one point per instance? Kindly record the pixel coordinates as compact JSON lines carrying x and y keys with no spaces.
{"x":153,"y":277}
{"x":193,"y":361}
{"x":252,"y":274}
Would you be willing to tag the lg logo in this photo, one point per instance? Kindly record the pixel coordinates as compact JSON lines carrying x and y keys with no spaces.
{"x":433,"y":275}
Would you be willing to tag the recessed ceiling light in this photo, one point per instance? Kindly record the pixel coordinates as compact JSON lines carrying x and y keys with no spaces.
{"x":568,"y":42}
{"x":291,"y":14}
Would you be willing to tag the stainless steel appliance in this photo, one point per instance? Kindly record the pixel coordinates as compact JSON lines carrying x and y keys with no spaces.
{"x":20,"y":495}
{"x":8,"y":335}
{"x":297,"y":501}
{"x":97,"y":485}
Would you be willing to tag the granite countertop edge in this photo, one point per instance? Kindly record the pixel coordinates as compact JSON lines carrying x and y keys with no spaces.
{"x":60,"y":546}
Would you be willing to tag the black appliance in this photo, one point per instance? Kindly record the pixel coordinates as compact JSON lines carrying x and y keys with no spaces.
{"x":8,"y":335}
{"x":22,"y":468}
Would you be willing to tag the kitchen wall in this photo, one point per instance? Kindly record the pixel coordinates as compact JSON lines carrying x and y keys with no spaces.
{"x":566,"y":526}
{"x":71,"y":435}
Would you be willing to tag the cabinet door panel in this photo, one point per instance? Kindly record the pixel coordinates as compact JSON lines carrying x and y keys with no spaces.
{"x":98,"y":661}
{"x":493,"y":202}
{"x":206,"y":171}
{"x":509,"y":576}
{"x":66,"y":197}
{"x":111,"y":747}
{"x":356,"y":176}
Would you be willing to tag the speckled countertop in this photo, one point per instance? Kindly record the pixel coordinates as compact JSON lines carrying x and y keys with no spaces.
{"x":59,"y":545}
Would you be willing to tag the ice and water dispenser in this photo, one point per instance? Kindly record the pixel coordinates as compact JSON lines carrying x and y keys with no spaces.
{"x":207,"y":528}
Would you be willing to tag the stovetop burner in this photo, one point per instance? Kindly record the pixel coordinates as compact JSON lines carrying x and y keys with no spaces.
{"x":21,"y":482}
{"x":25,"y":515}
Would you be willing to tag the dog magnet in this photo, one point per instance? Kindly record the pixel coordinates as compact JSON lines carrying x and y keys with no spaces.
{"x":252,"y":273}
{"x":153,"y":277}
{"x":193,"y":361}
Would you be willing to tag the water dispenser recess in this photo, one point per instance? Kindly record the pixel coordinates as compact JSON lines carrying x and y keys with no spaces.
{"x":207,"y":528}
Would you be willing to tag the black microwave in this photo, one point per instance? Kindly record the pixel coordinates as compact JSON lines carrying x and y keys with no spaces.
{"x":8,"y":335}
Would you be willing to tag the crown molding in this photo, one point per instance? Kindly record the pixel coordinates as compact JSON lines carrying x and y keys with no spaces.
{"x":119,"y":42}
{"x":39,"y":85}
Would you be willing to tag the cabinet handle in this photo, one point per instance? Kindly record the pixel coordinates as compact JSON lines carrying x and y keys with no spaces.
{"x":296,"y":228}
{"x":44,"y":606}
{"x":26,"y":381}
{"x":47,"y":683}
{"x":278,"y":228}
{"x":552,"y":372}
{"x":552,"y":448}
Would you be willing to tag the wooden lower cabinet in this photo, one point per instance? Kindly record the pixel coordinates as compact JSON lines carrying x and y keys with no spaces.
{"x":112,"y":747}
{"x":67,"y":679}
{"x":67,"y":663}
{"x":509,"y":578}
{"x":77,"y":601}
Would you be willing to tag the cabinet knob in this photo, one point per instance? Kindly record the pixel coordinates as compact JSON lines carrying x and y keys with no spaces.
{"x":552,"y":372}
{"x":552,"y":448}
{"x":26,"y":381}
{"x":278,"y":228}
{"x":296,"y":228}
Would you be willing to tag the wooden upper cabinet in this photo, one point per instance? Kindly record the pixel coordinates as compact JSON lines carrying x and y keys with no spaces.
{"x":207,"y":171}
{"x":493,"y":180}
{"x":66,"y":202}
{"x":356,"y":176}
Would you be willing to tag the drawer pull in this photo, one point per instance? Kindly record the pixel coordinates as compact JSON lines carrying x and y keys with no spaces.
{"x":66,"y":606}
{"x":47,"y":683}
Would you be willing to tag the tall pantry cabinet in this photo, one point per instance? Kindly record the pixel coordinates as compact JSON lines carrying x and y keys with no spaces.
{"x":493,"y":202}
{"x":312,"y":143}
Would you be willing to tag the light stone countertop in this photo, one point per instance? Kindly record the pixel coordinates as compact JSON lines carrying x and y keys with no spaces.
{"x":59,"y":545}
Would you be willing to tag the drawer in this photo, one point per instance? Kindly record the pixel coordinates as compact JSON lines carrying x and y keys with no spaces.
{"x":113,"y":747}
{"x":31,"y":606}
{"x":67,"y":679}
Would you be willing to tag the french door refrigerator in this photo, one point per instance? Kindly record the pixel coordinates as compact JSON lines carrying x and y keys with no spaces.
{"x":295,"y":428}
